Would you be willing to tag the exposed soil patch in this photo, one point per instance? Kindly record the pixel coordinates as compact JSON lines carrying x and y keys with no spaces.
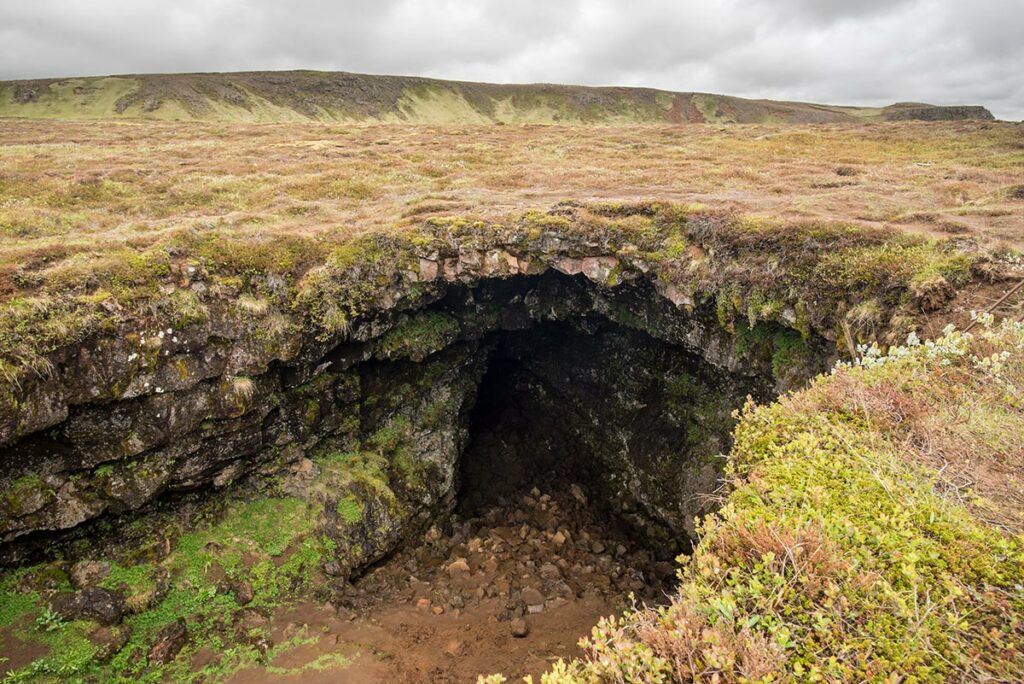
{"x":509,"y":587}
{"x":980,"y":296}
{"x":18,"y":653}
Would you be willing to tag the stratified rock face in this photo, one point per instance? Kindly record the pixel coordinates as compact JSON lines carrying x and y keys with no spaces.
{"x":620,"y":369}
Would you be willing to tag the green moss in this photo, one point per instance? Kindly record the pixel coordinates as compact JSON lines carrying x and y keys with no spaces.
{"x":390,"y":438}
{"x":954,"y":268}
{"x":784,"y":348}
{"x":763,"y":307}
{"x":410,"y":471}
{"x":728,"y":301}
{"x":350,"y":509}
{"x":674,"y":249}
{"x":70,"y":654}
{"x":432,"y":415}
{"x":31,"y":327}
{"x":26,"y":494}
{"x":269,"y":542}
{"x":15,"y":602}
{"x":789,"y":350}
{"x":136,"y":582}
{"x":266,"y":541}
{"x":419,"y":336}
{"x":186,"y":309}
{"x":889,"y":267}
{"x":312,"y":412}
{"x":253,"y":258}
{"x":268,"y":525}
{"x":368,"y":468}
{"x":543,"y":221}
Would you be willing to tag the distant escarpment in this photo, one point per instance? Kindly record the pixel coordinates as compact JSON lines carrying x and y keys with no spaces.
{"x":933,"y":113}
{"x":339,"y":96}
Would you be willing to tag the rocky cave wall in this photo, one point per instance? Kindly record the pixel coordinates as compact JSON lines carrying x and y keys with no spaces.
{"x":642,"y":424}
{"x":635,"y":386}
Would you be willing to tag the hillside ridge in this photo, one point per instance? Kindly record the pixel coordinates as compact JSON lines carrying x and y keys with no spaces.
{"x":282,"y":96}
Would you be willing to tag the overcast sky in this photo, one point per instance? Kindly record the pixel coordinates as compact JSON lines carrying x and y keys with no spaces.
{"x":838,"y":51}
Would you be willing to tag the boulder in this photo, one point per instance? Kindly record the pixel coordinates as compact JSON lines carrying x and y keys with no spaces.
{"x":91,"y":603}
{"x":168,"y":643}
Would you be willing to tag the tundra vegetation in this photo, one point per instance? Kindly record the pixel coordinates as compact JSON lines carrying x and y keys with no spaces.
{"x":239,"y":366}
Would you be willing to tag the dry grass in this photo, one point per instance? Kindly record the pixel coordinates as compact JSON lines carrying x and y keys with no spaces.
{"x":83,"y":193}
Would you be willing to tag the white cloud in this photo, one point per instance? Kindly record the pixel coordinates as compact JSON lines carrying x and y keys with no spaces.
{"x":840,"y":51}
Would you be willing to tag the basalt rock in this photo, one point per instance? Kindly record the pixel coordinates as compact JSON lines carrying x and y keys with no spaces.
{"x":92,"y":603}
{"x":169,"y":641}
{"x":88,"y":573}
{"x":365,"y":393}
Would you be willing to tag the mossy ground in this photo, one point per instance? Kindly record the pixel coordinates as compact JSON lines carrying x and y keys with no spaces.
{"x":269,"y":542}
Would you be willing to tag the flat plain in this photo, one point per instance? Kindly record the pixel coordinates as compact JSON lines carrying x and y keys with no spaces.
{"x":76,"y":195}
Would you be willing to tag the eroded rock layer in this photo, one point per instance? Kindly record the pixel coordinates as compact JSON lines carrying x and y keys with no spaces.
{"x":626,"y":342}
{"x":613,"y":378}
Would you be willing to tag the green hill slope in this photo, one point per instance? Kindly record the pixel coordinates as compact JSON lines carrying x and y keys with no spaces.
{"x":339,"y":96}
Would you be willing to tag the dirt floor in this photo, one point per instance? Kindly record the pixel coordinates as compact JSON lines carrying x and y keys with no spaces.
{"x":507,"y":589}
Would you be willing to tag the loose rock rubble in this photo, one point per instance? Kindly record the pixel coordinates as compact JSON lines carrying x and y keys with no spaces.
{"x":517,"y":558}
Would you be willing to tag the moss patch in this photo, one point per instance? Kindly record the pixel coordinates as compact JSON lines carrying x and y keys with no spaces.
{"x":269,"y":543}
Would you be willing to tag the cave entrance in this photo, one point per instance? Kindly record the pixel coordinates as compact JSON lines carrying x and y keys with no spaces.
{"x":591,"y":446}
{"x":605,"y":413}
{"x":522,"y":433}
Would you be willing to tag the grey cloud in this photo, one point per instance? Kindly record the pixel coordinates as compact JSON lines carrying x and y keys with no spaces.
{"x":843,"y":51}
{"x":815,"y":11}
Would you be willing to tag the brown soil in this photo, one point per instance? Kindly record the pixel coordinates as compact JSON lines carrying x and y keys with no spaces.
{"x":979,"y":296}
{"x":404,"y":643}
{"x":445,"y":609}
{"x":16,"y":653}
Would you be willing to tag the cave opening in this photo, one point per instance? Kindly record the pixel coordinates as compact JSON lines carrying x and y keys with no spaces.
{"x":571,"y":399}
{"x":553,"y":384}
{"x":578,"y":410}
{"x":586,"y":448}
